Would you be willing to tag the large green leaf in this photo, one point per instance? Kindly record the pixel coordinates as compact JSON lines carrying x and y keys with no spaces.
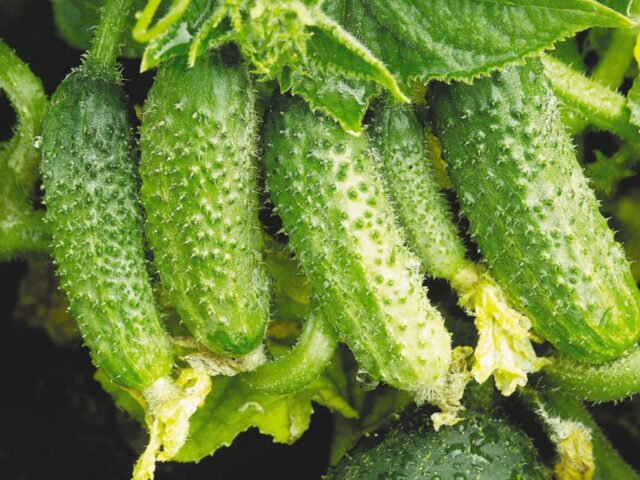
{"x":460,"y":39}
{"x":340,"y":53}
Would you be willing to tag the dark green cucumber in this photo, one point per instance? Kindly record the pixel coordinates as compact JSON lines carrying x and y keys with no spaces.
{"x":89,"y":178}
{"x":532,"y":213}
{"x":199,"y":191}
{"x":480,"y":448}
{"x":342,"y":228}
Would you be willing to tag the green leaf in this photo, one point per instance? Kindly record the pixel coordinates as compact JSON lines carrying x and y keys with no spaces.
{"x":291,"y":40}
{"x":622,"y":6}
{"x":232,"y":408}
{"x":76,"y":21}
{"x":460,"y":39}
{"x":603,"y":107}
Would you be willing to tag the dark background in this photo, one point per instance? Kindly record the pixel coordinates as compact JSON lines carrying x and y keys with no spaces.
{"x":55,"y":420}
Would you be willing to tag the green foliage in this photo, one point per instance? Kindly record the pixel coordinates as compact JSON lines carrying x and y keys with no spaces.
{"x":22,"y":229}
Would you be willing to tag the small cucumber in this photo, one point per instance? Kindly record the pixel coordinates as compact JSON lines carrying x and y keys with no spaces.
{"x":481,"y":447}
{"x":532,"y":214}
{"x":199,"y":191}
{"x":302,"y":364}
{"x":504,"y":348}
{"x":342,"y":228}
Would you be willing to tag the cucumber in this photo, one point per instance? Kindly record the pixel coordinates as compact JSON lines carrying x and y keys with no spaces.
{"x":199,"y":191}
{"x":89,"y":178}
{"x":481,"y":447}
{"x":22,"y":229}
{"x":343,"y":231}
{"x":504,"y":348}
{"x":532,"y":213}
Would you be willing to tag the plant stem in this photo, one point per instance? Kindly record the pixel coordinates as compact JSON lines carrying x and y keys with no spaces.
{"x":107,"y":41}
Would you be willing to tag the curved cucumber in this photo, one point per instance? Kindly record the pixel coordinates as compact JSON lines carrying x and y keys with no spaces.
{"x":88,"y":173}
{"x":302,"y":364}
{"x":532,"y":213}
{"x":504,"y":348}
{"x":481,"y":447}
{"x":199,"y":190}
{"x":343,"y":231}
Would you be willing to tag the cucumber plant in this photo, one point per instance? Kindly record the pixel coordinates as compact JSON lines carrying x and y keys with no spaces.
{"x":532,"y":214}
{"x":504,"y":348}
{"x":342,"y":228}
{"x":199,"y":191}
{"x":22,"y":230}
{"x":88,"y":173}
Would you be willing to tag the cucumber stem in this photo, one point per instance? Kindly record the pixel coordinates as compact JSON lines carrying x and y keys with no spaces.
{"x":302,"y":364}
{"x":562,"y":416}
{"x":601,"y":106}
{"x":106,"y":43}
{"x":598,"y":383}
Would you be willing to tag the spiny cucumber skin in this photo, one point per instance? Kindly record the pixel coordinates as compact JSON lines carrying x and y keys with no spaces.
{"x":532,"y":213}
{"x":199,"y":191}
{"x":422,"y":210}
{"x":89,"y":177}
{"x":342,"y":229}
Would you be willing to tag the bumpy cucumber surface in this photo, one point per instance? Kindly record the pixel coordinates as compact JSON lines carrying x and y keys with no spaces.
{"x":480,"y":447}
{"x":343,"y":231}
{"x":199,"y":190}
{"x":532,"y":213}
{"x":88,"y":172}
{"x":423,"y":212}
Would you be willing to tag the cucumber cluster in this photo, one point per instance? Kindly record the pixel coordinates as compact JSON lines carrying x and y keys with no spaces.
{"x":244,"y":234}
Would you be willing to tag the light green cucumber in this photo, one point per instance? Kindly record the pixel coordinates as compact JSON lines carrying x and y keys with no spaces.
{"x":504,"y":348}
{"x":342,"y":228}
{"x":200,"y":194}
{"x":532,"y":213}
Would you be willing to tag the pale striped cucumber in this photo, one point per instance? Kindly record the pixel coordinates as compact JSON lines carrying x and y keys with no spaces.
{"x":532,"y":213}
{"x":89,"y":178}
{"x":504,"y":348}
{"x":342,"y":228}
{"x":200,"y":193}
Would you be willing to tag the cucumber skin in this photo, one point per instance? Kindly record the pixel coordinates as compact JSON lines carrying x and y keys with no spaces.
{"x":199,"y":191}
{"x":342,"y":229}
{"x":404,"y":163}
{"x":89,"y":178}
{"x":480,"y":447}
{"x":532,"y":214}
